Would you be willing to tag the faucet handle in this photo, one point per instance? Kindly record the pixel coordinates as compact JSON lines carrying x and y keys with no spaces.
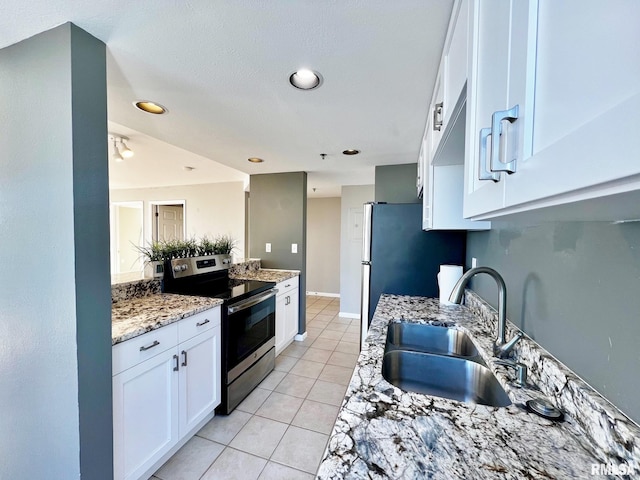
{"x":503,"y":351}
{"x":520,"y":368}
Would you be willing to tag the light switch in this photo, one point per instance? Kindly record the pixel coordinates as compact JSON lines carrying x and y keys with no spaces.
{"x":294,"y":248}
{"x":474,"y":262}
{"x":267,"y":248}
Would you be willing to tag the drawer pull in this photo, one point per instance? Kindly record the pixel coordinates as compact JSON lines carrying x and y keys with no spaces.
{"x":199,"y":324}
{"x":148,"y":347}
{"x":483,"y":172}
{"x":175,"y":369}
{"x":287,"y":286}
{"x":184,"y":356}
{"x":495,"y":164}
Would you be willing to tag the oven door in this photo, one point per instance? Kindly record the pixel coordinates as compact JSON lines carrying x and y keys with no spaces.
{"x":250,"y":331}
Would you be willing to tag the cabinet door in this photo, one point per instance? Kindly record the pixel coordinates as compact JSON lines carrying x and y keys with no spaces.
{"x":199,"y":378}
{"x":587,"y":99}
{"x":486,"y":93}
{"x":292,"y":317}
{"x":281,"y":315}
{"x":456,"y":58}
{"x":145,"y":420}
{"x":501,"y":76}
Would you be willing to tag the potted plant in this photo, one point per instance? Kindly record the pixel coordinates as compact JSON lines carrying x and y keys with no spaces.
{"x":154,"y":257}
{"x":224,"y":244}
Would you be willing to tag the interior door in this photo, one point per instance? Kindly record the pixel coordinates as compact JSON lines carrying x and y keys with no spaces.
{"x":169,"y":222}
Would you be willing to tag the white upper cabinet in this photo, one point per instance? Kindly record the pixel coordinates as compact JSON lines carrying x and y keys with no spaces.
{"x":573,"y":70}
{"x":455,"y":59}
{"x":586,"y":141}
{"x":443,"y":144}
{"x":499,"y":99}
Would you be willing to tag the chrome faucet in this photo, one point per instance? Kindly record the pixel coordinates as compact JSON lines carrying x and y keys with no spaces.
{"x":501,"y":348}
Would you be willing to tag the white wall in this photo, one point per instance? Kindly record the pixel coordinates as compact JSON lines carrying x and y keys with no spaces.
{"x":353,"y":197}
{"x":323,"y":245}
{"x":211,"y":209}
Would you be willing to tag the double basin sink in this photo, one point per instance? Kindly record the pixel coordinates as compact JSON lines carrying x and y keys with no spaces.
{"x":439,"y":361}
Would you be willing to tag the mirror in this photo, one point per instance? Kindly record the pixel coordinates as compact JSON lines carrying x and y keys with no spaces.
{"x":126,"y":232}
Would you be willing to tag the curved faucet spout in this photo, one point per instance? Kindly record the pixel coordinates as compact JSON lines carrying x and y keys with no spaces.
{"x":500,"y":347}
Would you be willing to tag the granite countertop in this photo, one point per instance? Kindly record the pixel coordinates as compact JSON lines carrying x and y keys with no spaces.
{"x":384,"y":432}
{"x":267,"y":275}
{"x":136,"y":316}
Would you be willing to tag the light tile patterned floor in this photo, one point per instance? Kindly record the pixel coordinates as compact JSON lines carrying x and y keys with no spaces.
{"x":281,"y":429}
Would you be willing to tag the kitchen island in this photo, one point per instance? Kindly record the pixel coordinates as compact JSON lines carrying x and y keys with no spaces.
{"x":385,"y":432}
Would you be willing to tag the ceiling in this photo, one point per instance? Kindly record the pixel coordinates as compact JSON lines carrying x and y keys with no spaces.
{"x":222,"y":68}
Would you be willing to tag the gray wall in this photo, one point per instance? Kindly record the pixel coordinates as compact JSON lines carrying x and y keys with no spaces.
{"x":55,"y":326}
{"x":323,"y":245}
{"x":351,"y":201}
{"x":278,"y":215}
{"x":574,"y":287}
{"x":396,"y":183}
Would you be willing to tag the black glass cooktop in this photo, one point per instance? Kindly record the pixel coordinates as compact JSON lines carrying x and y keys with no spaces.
{"x":240,"y":289}
{"x":228,"y":289}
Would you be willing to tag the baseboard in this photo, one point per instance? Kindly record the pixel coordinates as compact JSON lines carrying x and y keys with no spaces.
{"x":349,"y":315}
{"x":323,"y":294}
{"x":300,"y":337}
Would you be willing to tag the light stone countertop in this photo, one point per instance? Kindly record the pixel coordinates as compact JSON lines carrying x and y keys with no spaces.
{"x":133,"y":317}
{"x":383,"y":432}
{"x":268,"y":275}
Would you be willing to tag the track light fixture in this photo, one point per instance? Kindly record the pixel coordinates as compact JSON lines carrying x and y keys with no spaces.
{"x":120,"y":152}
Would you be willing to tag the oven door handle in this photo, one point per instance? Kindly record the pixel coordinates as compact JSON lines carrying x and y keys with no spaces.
{"x":250,"y":302}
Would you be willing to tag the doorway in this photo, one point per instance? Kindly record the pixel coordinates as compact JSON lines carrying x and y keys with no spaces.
{"x":167,"y":221}
{"x":126,"y":235}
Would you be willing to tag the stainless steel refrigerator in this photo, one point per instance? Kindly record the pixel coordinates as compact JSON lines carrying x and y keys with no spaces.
{"x":398,"y":257}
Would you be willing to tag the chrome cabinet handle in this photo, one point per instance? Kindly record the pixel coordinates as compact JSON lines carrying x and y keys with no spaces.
{"x":175,"y":369}
{"x":437,"y":116}
{"x":184,"y":358}
{"x":497,"y":118}
{"x":199,"y":324}
{"x":483,"y":171}
{"x":154,"y":344}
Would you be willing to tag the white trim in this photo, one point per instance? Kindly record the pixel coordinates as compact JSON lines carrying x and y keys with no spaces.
{"x":323,"y":294}
{"x":300,"y":337}
{"x":349,"y":315}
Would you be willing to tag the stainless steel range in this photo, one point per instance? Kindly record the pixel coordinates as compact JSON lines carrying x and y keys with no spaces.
{"x":248,"y":320}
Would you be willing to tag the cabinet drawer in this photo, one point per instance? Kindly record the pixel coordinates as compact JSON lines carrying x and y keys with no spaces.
{"x":287,"y":285}
{"x":131,"y":352}
{"x":191,"y":326}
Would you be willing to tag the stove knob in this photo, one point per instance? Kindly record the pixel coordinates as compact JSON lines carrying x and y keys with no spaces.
{"x":177,"y":268}
{"x":184,"y":267}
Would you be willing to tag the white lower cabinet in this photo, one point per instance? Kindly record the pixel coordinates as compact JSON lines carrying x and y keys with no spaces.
{"x":287,"y":315}
{"x":199,"y":379}
{"x":145,"y":420}
{"x":160,"y":401}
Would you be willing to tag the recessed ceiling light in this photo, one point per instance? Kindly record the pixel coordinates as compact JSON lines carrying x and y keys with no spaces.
{"x":150,"y":107}
{"x":305,"y":79}
{"x":255,"y":160}
{"x":351,"y":151}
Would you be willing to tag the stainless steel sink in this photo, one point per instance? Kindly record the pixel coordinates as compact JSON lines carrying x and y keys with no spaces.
{"x":443,"y":376}
{"x":430,"y":339}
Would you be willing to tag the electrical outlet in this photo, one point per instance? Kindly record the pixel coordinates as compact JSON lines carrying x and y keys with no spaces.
{"x":474,"y":262}
{"x":294,"y":248}
{"x":267,"y":248}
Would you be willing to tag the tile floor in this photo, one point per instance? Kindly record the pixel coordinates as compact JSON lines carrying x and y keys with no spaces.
{"x":281,"y":429}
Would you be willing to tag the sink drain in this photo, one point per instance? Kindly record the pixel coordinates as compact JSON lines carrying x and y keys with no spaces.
{"x":545,"y":409}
